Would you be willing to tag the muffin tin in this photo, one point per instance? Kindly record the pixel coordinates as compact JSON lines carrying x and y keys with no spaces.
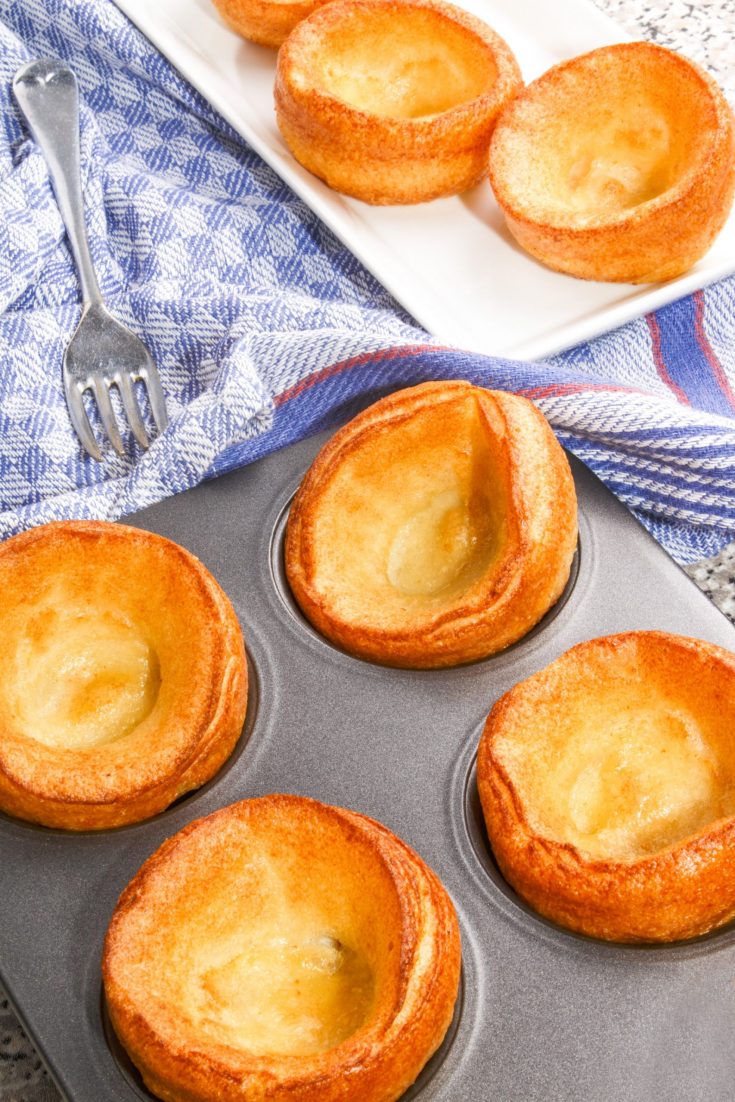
{"x":543,"y":1014}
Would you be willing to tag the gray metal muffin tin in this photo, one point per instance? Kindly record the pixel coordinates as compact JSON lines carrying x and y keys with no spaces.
{"x":544,"y":1015}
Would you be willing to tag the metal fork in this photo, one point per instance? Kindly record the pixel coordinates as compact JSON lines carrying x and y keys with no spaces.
{"x":102,"y":352}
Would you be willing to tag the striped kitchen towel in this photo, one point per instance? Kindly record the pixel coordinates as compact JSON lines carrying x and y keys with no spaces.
{"x":265,"y":328}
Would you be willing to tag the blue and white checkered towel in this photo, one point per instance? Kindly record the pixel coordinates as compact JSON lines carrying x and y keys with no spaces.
{"x":263,"y":325}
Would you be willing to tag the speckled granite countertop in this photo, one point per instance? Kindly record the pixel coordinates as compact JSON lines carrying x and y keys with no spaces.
{"x":704,"y":31}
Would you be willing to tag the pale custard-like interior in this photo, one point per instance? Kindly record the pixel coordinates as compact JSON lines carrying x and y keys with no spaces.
{"x":79,"y":679}
{"x":297,"y":990}
{"x":415,"y":517}
{"x":408,"y":66}
{"x":601,"y":140}
{"x":290,"y":948}
{"x":627,"y":774}
{"x":432,"y":547}
{"x":618,"y":166}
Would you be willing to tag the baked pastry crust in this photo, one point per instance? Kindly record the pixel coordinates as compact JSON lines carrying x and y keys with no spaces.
{"x":123,"y":679}
{"x":282,"y":948}
{"x":617,"y":165}
{"x":267,"y":22}
{"x":607,"y":782}
{"x":393,"y":101}
{"x":435,"y":528}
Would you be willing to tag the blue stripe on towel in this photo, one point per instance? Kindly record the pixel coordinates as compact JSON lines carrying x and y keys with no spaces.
{"x":689,"y":361}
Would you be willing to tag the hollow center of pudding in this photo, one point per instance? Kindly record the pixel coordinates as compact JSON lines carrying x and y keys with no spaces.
{"x":603,"y":137}
{"x":408,"y":64}
{"x":432,"y":546}
{"x":286,"y":941}
{"x":627,"y":768}
{"x":414,"y":515}
{"x":619,"y":166}
{"x":650,"y":781}
{"x":81,"y":680}
{"x":299,"y":991}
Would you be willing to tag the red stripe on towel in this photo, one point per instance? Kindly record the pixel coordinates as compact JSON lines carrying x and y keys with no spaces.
{"x":554,"y":390}
{"x":346,"y":365}
{"x":707,"y":350}
{"x":658,"y":360}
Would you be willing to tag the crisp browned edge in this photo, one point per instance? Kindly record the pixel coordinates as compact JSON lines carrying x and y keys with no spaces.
{"x":380,"y":1066}
{"x":262,"y":21}
{"x":208,"y":747}
{"x":467,"y":632}
{"x":635,"y":246}
{"x":681,"y":892}
{"x":320,"y":129}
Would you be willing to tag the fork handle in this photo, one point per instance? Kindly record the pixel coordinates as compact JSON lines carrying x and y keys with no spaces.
{"x":47,"y":94}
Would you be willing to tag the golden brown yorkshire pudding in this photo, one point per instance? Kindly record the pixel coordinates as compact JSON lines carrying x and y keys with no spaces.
{"x":123,"y":679}
{"x":267,"y":22}
{"x":607,"y":782}
{"x":617,"y":165}
{"x":281,"y":948}
{"x":435,"y":528}
{"x":393,"y":101}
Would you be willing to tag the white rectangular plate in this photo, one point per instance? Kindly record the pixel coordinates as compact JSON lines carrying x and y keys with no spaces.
{"x":451,"y":263}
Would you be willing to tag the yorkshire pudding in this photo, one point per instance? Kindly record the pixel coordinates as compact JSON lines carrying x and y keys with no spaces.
{"x":282,"y":948}
{"x":123,"y":678}
{"x":617,"y":165}
{"x":267,"y":22}
{"x":393,"y":101}
{"x":435,"y":528}
{"x":607,"y":783}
